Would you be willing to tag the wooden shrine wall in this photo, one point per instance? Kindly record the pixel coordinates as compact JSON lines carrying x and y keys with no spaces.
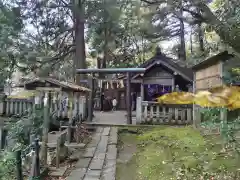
{"x":208,"y":77}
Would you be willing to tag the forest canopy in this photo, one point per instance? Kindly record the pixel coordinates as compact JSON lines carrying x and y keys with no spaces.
{"x":58,"y":36}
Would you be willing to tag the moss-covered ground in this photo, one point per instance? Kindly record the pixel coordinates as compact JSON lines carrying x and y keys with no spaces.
{"x":171,"y":153}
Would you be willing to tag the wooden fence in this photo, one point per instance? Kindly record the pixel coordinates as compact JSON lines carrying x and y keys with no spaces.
{"x":61,"y":107}
{"x":153,"y":112}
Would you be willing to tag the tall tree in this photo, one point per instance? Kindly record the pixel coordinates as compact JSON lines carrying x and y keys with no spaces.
{"x":225,"y":21}
{"x":79,"y":23}
{"x":182,"y":49}
{"x":58,"y":26}
{"x":10,"y":45}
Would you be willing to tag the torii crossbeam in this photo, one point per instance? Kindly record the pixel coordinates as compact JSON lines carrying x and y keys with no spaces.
{"x":128,"y":71}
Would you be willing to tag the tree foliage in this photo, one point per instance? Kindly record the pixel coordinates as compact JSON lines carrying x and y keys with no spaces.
{"x":10,"y":29}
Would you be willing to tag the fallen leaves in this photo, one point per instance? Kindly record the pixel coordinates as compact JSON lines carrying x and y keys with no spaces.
{"x":228,"y":97}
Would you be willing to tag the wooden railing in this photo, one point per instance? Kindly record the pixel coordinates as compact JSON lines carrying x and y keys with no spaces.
{"x":18,"y":107}
{"x":153,"y":112}
{"x":15,"y":106}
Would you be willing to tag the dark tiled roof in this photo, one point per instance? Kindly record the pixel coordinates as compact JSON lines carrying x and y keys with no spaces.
{"x":161,"y":57}
{"x":169,"y":61}
{"x":223,"y":56}
{"x":67,"y":85}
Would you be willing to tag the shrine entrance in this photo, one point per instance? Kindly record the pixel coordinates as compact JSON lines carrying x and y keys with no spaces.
{"x":93,"y":73}
{"x":105,"y":91}
{"x":152,"y":91}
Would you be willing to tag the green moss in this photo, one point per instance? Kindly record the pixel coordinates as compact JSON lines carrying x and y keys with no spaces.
{"x":171,"y":153}
{"x":127,"y":171}
{"x":181,"y":153}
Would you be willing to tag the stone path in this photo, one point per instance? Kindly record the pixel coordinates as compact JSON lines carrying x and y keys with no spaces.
{"x":99,"y":159}
{"x":110,"y":118}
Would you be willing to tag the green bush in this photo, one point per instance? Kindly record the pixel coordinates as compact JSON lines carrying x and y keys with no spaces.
{"x":7,"y":165}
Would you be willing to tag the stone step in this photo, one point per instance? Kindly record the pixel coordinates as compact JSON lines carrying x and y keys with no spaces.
{"x":75,"y":145}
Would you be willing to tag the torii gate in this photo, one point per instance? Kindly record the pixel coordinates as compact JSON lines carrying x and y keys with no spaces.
{"x":128,"y":71}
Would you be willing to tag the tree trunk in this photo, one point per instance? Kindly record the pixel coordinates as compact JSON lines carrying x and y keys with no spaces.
{"x":182,"y":38}
{"x":105,"y":59}
{"x":80,"y":56}
{"x":200,"y":37}
{"x":191,"y":43}
{"x":200,"y":34}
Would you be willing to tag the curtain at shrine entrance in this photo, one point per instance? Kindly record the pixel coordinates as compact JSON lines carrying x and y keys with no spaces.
{"x":152,"y":91}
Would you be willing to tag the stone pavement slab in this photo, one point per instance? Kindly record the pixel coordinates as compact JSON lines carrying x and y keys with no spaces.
{"x":83,"y":163}
{"x":99,"y":156}
{"x":77,"y":174}
{"x":109,"y":170}
{"x":91,"y":178}
{"x":99,"y":130}
{"x":93,"y":174}
{"x":98,"y":162}
{"x":113,"y":138}
{"x":89,"y":152}
{"x":112,"y":152}
{"x":106,"y":131}
{"x":102,"y":146}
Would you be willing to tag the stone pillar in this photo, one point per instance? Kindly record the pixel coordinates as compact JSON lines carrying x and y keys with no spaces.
{"x":139,"y":110}
{"x":142,"y":90}
{"x":173,"y":84}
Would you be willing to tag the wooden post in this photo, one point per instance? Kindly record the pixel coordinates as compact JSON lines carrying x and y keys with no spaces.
{"x":66,"y":108}
{"x":33,"y":170}
{"x":55,"y":102}
{"x":19,"y":165}
{"x":46,"y":122}
{"x":173,"y":84}
{"x":84,"y":106}
{"x":1,"y":137}
{"x":31,"y":138}
{"x":8,"y":107}
{"x":37,"y":165}
{"x":81,"y":106}
{"x":59,"y":104}
{"x":60,"y":125}
{"x":2,"y":104}
{"x":69,"y":128}
{"x":223,"y":118}
{"x":75,"y":100}
{"x":142,"y":90}
{"x":129,"y":99}
{"x":195,"y":113}
{"x":90,"y":101}
{"x":139,"y":110}
{"x":58,"y":152}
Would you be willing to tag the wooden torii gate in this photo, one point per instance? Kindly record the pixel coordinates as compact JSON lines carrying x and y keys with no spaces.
{"x":127,"y":71}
